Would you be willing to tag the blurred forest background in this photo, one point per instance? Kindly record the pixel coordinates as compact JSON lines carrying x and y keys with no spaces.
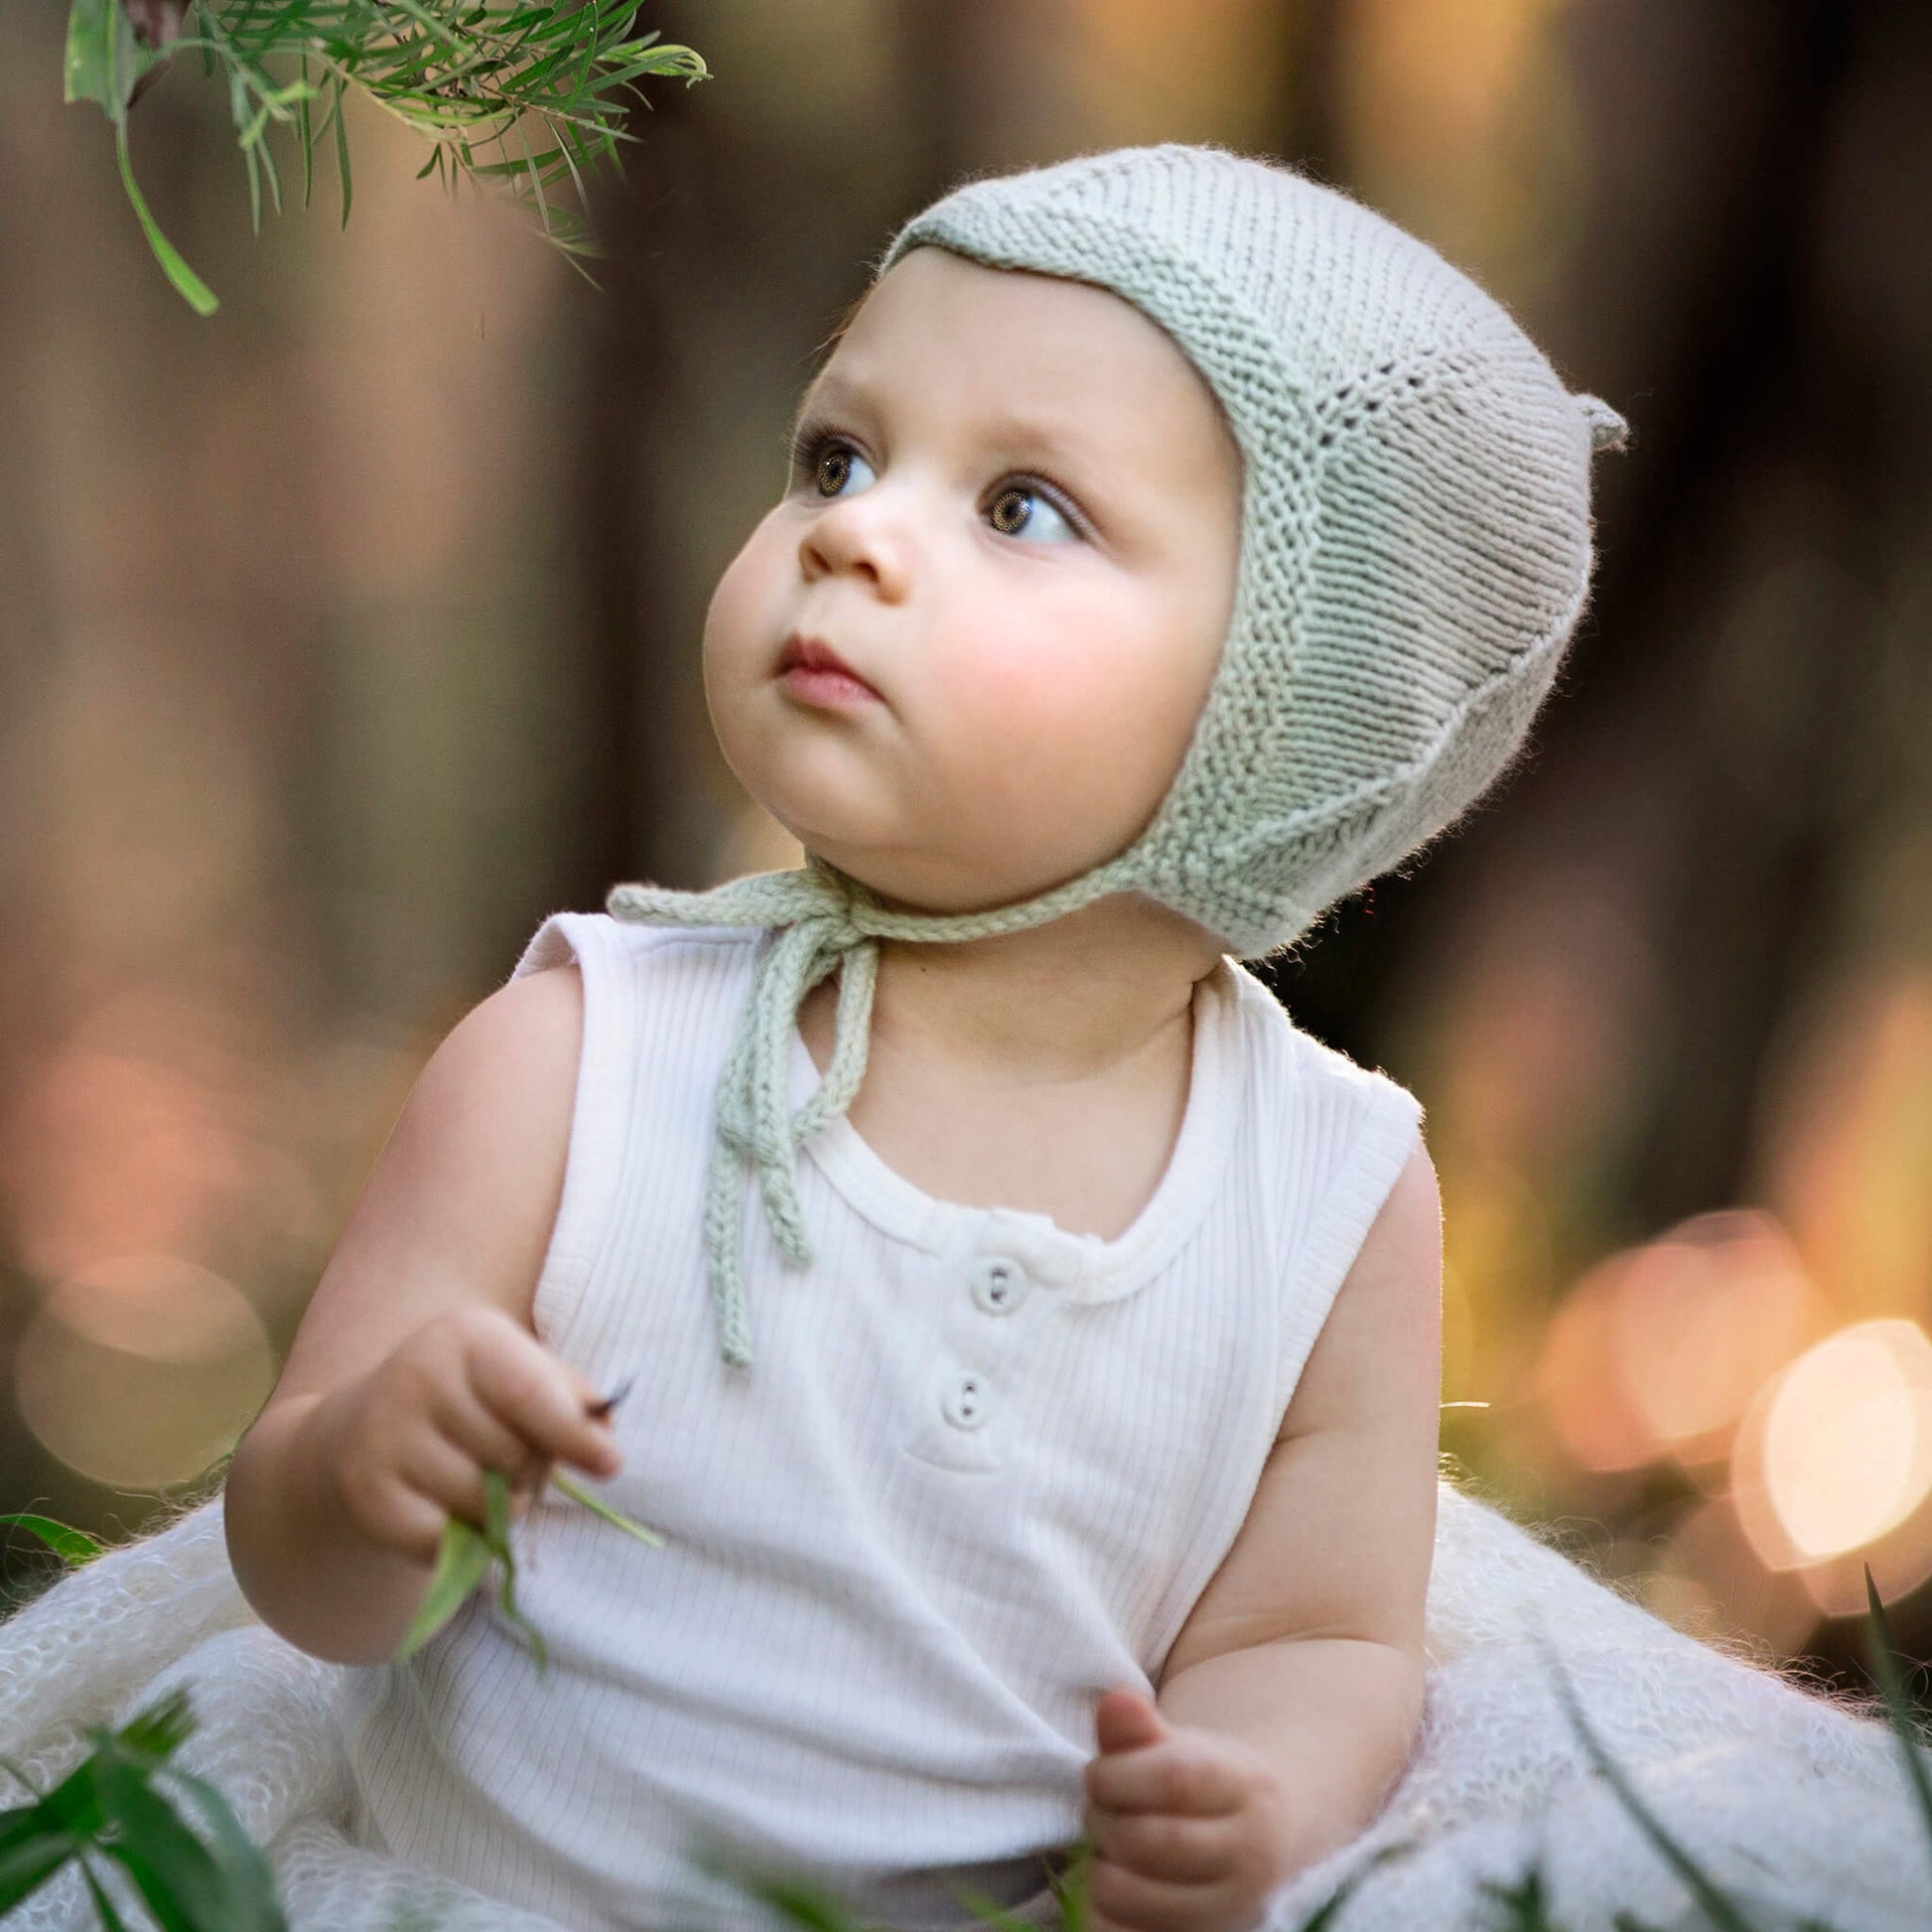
{"x":346,"y":635}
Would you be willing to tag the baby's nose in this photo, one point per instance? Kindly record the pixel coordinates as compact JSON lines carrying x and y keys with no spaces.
{"x":845,"y":539}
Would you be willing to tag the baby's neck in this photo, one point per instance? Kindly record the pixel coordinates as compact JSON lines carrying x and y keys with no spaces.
{"x":1045,"y":1070}
{"x":1060,"y":1003}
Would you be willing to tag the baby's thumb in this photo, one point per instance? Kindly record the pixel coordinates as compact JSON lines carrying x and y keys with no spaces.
{"x":1124,"y":1721}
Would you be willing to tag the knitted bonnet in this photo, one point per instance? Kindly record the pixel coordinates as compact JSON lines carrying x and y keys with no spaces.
{"x":1415,"y":552}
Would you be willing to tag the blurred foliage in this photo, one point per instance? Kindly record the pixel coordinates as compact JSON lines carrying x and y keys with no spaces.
{"x":116,"y":1805}
{"x":465,"y":75}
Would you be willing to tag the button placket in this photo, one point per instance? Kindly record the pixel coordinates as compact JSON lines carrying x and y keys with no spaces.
{"x":990,"y":1294}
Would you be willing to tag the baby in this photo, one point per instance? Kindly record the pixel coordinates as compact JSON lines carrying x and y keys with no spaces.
{"x":1171,"y":545}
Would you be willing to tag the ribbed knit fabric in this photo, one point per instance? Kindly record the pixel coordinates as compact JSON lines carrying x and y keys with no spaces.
{"x":985,"y":1470}
{"x":1415,"y":553}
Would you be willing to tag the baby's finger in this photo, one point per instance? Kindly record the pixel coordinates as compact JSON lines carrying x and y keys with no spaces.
{"x":479,"y":1433}
{"x":1142,"y":1904}
{"x":441,"y":1472}
{"x":1178,"y":1776}
{"x":1158,"y":1845}
{"x":526,"y":1387}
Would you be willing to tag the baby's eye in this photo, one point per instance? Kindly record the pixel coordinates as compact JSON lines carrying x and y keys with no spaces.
{"x":1031,"y":501}
{"x":830,"y":465}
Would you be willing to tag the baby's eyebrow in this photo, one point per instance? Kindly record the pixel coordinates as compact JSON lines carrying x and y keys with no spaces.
{"x":1062,"y":443}
{"x":829,"y":392}
{"x":1051,"y":440}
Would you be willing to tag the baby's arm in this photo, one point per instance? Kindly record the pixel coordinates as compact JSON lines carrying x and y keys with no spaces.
{"x":1291,"y":1700}
{"x":415,"y":1366}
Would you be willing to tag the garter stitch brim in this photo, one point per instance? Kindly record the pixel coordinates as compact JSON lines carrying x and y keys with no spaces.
{"x":1415,"y":553}
{"x":1416,"y":540}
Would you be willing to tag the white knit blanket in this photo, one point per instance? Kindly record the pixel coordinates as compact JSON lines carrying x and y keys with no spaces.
{"x":1795,"y":1803}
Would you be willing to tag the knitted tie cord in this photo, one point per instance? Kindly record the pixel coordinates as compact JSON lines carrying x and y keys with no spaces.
{"x":1416,"y":550}
{"x":820,"y":921}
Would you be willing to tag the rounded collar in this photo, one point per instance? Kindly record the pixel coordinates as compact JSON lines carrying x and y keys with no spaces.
{"x":1088,"y":1267}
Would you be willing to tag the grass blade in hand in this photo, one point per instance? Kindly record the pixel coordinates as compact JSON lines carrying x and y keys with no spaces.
{"x":579,"y":1494}
{"x":496,"y":1490}
{"x":461,"y":1562}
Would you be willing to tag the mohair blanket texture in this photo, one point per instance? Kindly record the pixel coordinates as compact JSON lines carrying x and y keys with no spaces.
{"x":1797,"y":1804}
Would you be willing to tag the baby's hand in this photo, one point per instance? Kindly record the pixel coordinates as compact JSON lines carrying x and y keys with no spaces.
{"x":1187,"y":1825}
{"x":471,"y":1390}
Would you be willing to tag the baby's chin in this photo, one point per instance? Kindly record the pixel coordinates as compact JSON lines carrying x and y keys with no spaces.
{"x":942,"y":887}
{"x":906,"y":857}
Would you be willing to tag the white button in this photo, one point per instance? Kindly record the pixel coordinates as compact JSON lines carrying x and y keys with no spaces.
{"x":964,"y":1402}
{"x":999,"y":1284}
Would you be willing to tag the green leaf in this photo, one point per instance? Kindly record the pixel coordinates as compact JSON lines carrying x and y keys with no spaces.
{"x":29,"y":1862}
{"x":190,"y":286}
{"x":106,"y":1807}
{"x":341,"y":152}
{"x":305,"y":132}
{"x":174,"y":1871}
{"x":110,"y":1919}
{"x":160,"y":1727}
{"x":73,"y":1546}
{"x":1711,"y":1901}
{"x":984,"y":1909}
{"x":1324,"y":1913}
{"x":578,"y":1493}
{"x":246,"y":1873}
{"x":497,"y":1493}
{"x":1523,"y":1902}
{"x":462,"y":1558}
{"x":1891,"y":1687}
{"x":800,"y":1903}
{"x":72,"y":1809}
{"x":103,"y":59}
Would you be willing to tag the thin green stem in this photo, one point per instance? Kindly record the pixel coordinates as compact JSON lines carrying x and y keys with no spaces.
{"x":196,"y":292}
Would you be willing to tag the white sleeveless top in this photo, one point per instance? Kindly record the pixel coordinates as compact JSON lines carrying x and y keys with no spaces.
{"x":978,"y":1472}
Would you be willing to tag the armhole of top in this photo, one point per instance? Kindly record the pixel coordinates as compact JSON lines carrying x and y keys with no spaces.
{"x":1385,"y":1134}
{"x":600,"y":1113}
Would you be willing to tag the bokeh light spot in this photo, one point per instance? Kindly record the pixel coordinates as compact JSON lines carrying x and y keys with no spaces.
{"x":1847,"y":1436}
{"x":1659,"y":1349}
{"x":142,"y":1371}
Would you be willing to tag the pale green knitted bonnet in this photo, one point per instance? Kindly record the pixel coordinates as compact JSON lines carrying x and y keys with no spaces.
{"x":1415,"y":553}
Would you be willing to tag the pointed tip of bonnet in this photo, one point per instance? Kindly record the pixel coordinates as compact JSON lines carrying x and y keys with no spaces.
{"x":1607,"y":430}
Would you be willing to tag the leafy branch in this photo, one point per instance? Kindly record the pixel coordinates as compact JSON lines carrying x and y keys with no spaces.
{"x":531,"y":93}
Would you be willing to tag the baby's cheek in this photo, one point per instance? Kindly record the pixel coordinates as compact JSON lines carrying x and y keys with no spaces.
{"x":1042,"y":719}
{"x":742,"y":616}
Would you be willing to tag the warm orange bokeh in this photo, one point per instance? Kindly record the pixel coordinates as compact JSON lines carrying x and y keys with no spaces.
{"x":1658,"y":1350}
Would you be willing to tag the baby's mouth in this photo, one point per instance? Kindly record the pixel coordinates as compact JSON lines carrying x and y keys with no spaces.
{"x":813,"y":672}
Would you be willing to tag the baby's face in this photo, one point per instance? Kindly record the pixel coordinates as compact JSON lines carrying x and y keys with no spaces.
{"x":1014,"y":514}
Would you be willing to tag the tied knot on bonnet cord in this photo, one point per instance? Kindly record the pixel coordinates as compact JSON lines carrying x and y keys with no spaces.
{"x":821,"y":920}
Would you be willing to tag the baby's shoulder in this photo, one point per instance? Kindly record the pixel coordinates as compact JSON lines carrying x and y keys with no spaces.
{"x":1288,"y":1061}
{"x":601,"y":944}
